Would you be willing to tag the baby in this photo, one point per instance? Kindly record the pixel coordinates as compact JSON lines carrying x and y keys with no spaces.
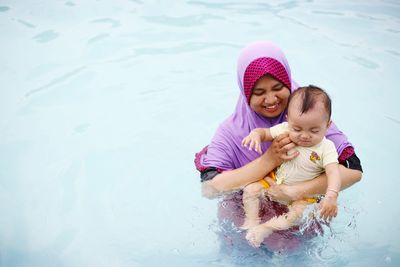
{"x":308,"y":119}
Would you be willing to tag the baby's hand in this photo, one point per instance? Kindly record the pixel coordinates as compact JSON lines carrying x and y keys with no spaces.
{"x":253,"y":141}
{"x":328,"y":207}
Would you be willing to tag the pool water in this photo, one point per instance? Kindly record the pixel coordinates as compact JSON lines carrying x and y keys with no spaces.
{"x":104,"y":103}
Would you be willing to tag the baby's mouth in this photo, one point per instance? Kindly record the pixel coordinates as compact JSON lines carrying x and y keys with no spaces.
{"x":304,"y":142}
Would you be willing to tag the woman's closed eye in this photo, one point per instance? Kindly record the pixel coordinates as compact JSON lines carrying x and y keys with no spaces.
{"x":258,"y":92}
{"x":277,"y":87}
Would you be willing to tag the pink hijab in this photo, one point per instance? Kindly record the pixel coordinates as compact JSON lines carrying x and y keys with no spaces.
{"x":225,"y":151}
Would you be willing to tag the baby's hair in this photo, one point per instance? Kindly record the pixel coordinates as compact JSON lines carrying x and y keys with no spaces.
{"x":309,"y":96}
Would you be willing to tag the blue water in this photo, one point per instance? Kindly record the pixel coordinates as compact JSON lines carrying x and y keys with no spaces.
{"x":104,"y":103}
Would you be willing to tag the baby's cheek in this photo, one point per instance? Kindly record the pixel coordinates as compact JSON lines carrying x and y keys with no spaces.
{"x":292,"y":136}
{"x":318,"y":138}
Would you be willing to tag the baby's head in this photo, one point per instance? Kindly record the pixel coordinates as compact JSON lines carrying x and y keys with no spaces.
{"x":309,"y":115}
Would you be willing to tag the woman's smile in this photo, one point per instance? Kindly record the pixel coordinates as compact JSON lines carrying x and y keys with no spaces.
{"x":272,"y":108}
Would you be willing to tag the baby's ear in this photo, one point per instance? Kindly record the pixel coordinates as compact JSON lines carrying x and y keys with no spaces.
{"x":329,"y":123}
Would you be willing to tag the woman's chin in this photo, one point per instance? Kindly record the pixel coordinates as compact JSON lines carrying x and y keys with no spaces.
{"x":271,"y":114}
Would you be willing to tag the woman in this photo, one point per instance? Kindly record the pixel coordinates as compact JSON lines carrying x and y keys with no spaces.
{"x":265,"y":82}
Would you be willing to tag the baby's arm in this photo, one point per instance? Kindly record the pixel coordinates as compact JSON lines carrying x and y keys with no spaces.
{"x":256,"y":137}
{"x":328,"y":208}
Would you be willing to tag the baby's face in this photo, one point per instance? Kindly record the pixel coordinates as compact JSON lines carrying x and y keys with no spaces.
{"x":307,"y":129}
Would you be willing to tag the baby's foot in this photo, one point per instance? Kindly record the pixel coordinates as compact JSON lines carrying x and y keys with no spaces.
{"x":256,"y":234}
{"x":249,"y":223}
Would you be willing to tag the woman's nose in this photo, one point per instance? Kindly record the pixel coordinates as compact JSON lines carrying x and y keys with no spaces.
{"x":270,"y":98}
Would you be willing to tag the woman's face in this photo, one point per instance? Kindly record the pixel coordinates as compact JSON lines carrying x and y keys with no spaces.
{"x":269,"y":98}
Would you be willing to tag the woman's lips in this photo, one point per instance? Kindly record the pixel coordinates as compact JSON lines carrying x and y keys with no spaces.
{"x":272,"y":108}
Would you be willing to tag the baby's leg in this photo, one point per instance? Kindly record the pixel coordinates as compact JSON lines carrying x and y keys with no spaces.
{"x":256,"y":234}
{"x":251,"y":204}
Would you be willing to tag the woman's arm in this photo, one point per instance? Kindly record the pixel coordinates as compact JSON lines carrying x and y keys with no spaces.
{"x":313,"y":187}
{"x":229,"y":181}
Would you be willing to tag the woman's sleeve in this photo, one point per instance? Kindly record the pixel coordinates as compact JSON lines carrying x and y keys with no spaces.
{"x":338,"y":138}
{"x":349,"y":159}
{"x":207,"y":172}
{"x":347,"y":155}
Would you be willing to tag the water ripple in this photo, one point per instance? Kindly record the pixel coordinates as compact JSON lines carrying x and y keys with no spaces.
{"x":82,"y":128}
{"x":369,"y":17}
{"x":56,"y":81}
{"x":393,"y":30}
{"x":46,"y":36}
{"x":27,"y":24}
{"x":335,"y":13}
{"x":363,"y":62}
{"x":246,"y":8}
{"x":212,"y":5}
{"x":69,"y":3}
{"x":186,"y":21}
{"x":185,"y":48}
{"x":189,"y":47}
{"x":393,"y":52}
{"x":298,"y":22}
{"x":393,"y":119}
{"x":4,"y":8}
{"x":114,"y":23}
{"x":98,"y":38}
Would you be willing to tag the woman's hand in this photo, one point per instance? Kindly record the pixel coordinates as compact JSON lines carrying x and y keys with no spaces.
{"x":278,"y":154}
{"x":279,"y":148}
{"x":282,"y":193}
{"x":277,"y":192}
{"x":236,"y":179}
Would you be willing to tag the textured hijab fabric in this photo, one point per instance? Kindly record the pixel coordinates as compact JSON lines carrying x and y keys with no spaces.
{"x":260,"y":67}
